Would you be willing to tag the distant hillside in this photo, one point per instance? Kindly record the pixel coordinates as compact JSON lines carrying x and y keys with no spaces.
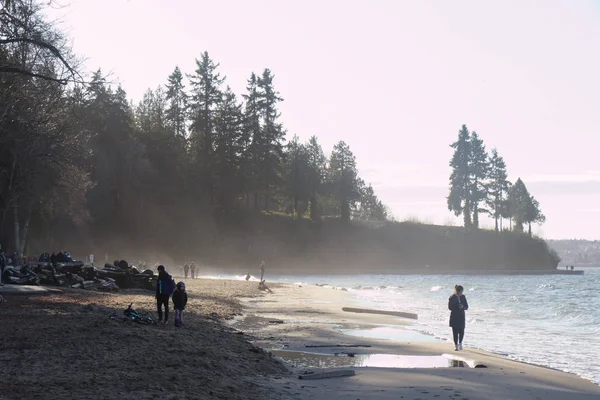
{"x":302,"y":246}
{"x":331,"y":246}
{"x":577,"y":252}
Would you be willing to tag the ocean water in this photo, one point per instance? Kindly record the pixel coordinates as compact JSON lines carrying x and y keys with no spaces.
{"x":549,"y":320}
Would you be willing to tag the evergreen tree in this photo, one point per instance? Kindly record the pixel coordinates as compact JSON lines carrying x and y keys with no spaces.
{"x":533,"y":213}
{"x":113,"y":149}
{"x":164,"y":150}
{"x":270,"y":147}
{"x":317,"y":163}
{"x":506,"y":208}
{"x":371,"y":208}
{"x":229,"y":145}
{"x":176,"y":112}
{"x":206,"y":95}
{"x":297,"y":175}
{"x":478,"y":171}
{"x":253,"y":143}
{"x":344,"y":179}
{"x":498,"y":188}
{"x":150,"y":112}
{"x":524,"y":208}
{"x":519,"y":204}
{"x":459,"y":200}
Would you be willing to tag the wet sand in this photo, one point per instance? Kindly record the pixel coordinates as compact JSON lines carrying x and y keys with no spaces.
{"x":294,"y":317}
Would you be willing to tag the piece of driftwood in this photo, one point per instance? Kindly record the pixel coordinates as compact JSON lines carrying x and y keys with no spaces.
{"x":338,"y":345}
{"x":382,"y":312}
{"x":328,"y":374}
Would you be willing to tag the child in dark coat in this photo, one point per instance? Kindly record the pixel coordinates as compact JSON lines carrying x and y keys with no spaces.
{"x":179,"y":302}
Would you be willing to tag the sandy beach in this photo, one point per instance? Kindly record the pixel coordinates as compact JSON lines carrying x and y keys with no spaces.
{"x":63,"y":345}
{"x":294,"y":317}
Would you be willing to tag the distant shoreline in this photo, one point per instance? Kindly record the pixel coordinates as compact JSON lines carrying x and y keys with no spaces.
{"x":424,"y":271}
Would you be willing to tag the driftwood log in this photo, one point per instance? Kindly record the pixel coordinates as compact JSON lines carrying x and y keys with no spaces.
{"x":382,"y":312}
{"x":328,"y":374}
{"x":337,"y":345}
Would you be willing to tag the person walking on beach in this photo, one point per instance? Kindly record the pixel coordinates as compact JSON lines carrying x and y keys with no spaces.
{"x":262,"y":270}
{"x":179,"y":302}
{"x":186,"y":269}
{"x":193,"y":270}
{"x":457,"y":304}
{"x":165,"y":285}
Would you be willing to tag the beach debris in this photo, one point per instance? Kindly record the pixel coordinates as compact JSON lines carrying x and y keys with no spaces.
{"x":78,"y":275}
{"x":263,"y":286}
{"x":344,"y":354}
{"x":381,"y":312}
{"x":337,"y":345}
{"x":131,"y":315}
{"x":327,"y":374}
{"x":276,"y":321}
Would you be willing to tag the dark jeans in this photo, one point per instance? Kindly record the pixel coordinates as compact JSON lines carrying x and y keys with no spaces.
{"x":458,"y":334}
{"x":160,"y":300}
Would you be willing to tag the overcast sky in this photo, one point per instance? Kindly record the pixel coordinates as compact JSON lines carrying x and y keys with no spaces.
{"x":395,"y":80}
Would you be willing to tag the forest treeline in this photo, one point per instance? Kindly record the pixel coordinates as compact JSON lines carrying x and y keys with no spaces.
{"x":188,"y":158}
{"x":479,"y":185}
{"x":195,"y":170}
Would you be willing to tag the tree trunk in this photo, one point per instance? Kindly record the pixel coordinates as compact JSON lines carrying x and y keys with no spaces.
{"x":25,"y":229}
{"x":314,"y":212}
{"x":496,"y":222}
{"x":476,"y":216}
{"x":529,"y":223}
{"x":295,"y":206}
{"x":467,"y":217}
{"x":501,"y":228}
{"x":267,"y":198}
{"x":345,"y":211}
{"x":13,"y":169}
{"x":17,"y":226}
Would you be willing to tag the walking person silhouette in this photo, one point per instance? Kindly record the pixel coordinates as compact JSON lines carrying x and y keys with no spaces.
{"x":457,"y":304}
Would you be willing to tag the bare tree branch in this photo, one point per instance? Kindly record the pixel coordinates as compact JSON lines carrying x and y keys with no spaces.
{"x":44,"y":45}
{"x":17,"y":70}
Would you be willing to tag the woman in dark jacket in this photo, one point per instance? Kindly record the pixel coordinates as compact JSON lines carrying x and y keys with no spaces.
{"x":165,"y":285}
{"x":457,"y":304}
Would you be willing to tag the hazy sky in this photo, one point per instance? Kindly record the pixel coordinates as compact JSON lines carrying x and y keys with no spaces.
{"x":395,"y":80}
